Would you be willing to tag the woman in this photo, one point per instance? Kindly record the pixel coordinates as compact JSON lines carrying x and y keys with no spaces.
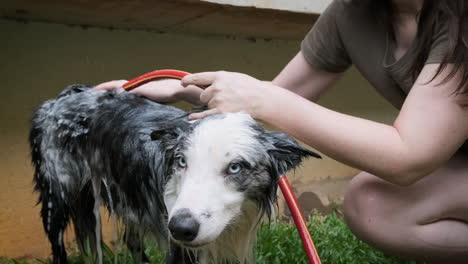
{"x":411,"y":199}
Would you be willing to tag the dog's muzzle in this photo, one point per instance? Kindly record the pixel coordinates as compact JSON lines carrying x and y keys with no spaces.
{"x":183,"y":226}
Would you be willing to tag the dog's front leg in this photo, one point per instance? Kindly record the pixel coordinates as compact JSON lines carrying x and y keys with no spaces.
{"x":134,"y":239}
{"x":178,"y":255}
{"x":55,"y":216}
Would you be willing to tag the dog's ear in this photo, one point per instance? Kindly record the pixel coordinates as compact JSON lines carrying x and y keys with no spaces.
{"x":159,"y":134}
{"x":286,"y":153}
{"x":172,"y":131}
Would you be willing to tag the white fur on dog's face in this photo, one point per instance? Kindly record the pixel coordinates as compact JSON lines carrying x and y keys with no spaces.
{"x":204,"y":184}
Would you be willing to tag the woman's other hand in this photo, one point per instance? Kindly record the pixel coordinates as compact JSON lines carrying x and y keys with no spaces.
{"x":115,"y":84}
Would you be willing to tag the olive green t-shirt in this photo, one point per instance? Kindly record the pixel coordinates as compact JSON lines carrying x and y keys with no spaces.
{"x":347,"y":33}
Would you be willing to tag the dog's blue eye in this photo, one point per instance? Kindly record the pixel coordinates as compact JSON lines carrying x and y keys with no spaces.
{"x":234,"y":168}
{"x":181,"y":162}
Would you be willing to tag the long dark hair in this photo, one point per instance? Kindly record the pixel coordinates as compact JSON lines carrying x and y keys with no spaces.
{"x":452,"y":14}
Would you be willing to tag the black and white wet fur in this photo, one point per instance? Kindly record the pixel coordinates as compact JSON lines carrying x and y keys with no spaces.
{"x":200,"y":188}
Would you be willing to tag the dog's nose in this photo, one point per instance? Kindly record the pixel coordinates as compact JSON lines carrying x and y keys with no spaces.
{"x":183,"y":226}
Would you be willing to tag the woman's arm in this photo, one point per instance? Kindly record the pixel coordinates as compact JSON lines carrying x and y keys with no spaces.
{"x":298,"y":76}
{"x":430,"y":128}
{"x":304,"y":79}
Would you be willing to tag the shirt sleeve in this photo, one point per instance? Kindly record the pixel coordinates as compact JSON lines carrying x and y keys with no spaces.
{"x":440,"y":45}
{"x":323,"y":47}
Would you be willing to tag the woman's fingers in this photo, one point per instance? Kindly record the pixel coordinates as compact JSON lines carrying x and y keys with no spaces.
{"x":201,"y":80}
{"x":195,"y":116}
{"x":206,"y":95}
{"x":189,"y":94}
{"x":110,"y":85}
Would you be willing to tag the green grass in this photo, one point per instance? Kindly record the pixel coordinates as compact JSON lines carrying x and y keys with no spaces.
{"x":278,"y":242}
{"x":334,"y":242}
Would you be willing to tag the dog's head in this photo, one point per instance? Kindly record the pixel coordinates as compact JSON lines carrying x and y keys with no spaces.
{"x":216,"y":166}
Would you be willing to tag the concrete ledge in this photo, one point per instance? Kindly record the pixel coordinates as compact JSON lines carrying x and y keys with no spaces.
{"x":178,"y":16}
{"x":299,"y":6}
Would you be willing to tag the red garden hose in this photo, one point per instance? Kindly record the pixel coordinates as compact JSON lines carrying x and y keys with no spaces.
{"x":299,"y":220}
{"x":154,"y":75}
{"x":285,"y":187}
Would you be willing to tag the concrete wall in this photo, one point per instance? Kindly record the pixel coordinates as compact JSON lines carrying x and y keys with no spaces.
{"x":249,"y":18}
{"x":39,"y":60}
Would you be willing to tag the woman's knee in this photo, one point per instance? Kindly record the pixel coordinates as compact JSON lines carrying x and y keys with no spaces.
{"x":375,"y":213}
{"x":364,"y":202}
{"x":359,"y":194}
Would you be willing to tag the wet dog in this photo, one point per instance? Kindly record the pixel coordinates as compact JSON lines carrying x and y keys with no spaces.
{"x":201,"y":188}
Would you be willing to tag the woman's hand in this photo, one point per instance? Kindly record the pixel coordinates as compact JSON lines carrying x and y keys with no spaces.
{"x":228,"y":92}
{"x":115,"y":84}
{"x":161,"y":91}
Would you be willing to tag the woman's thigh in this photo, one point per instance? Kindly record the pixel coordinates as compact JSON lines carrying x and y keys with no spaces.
{"x":428,"y":219}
